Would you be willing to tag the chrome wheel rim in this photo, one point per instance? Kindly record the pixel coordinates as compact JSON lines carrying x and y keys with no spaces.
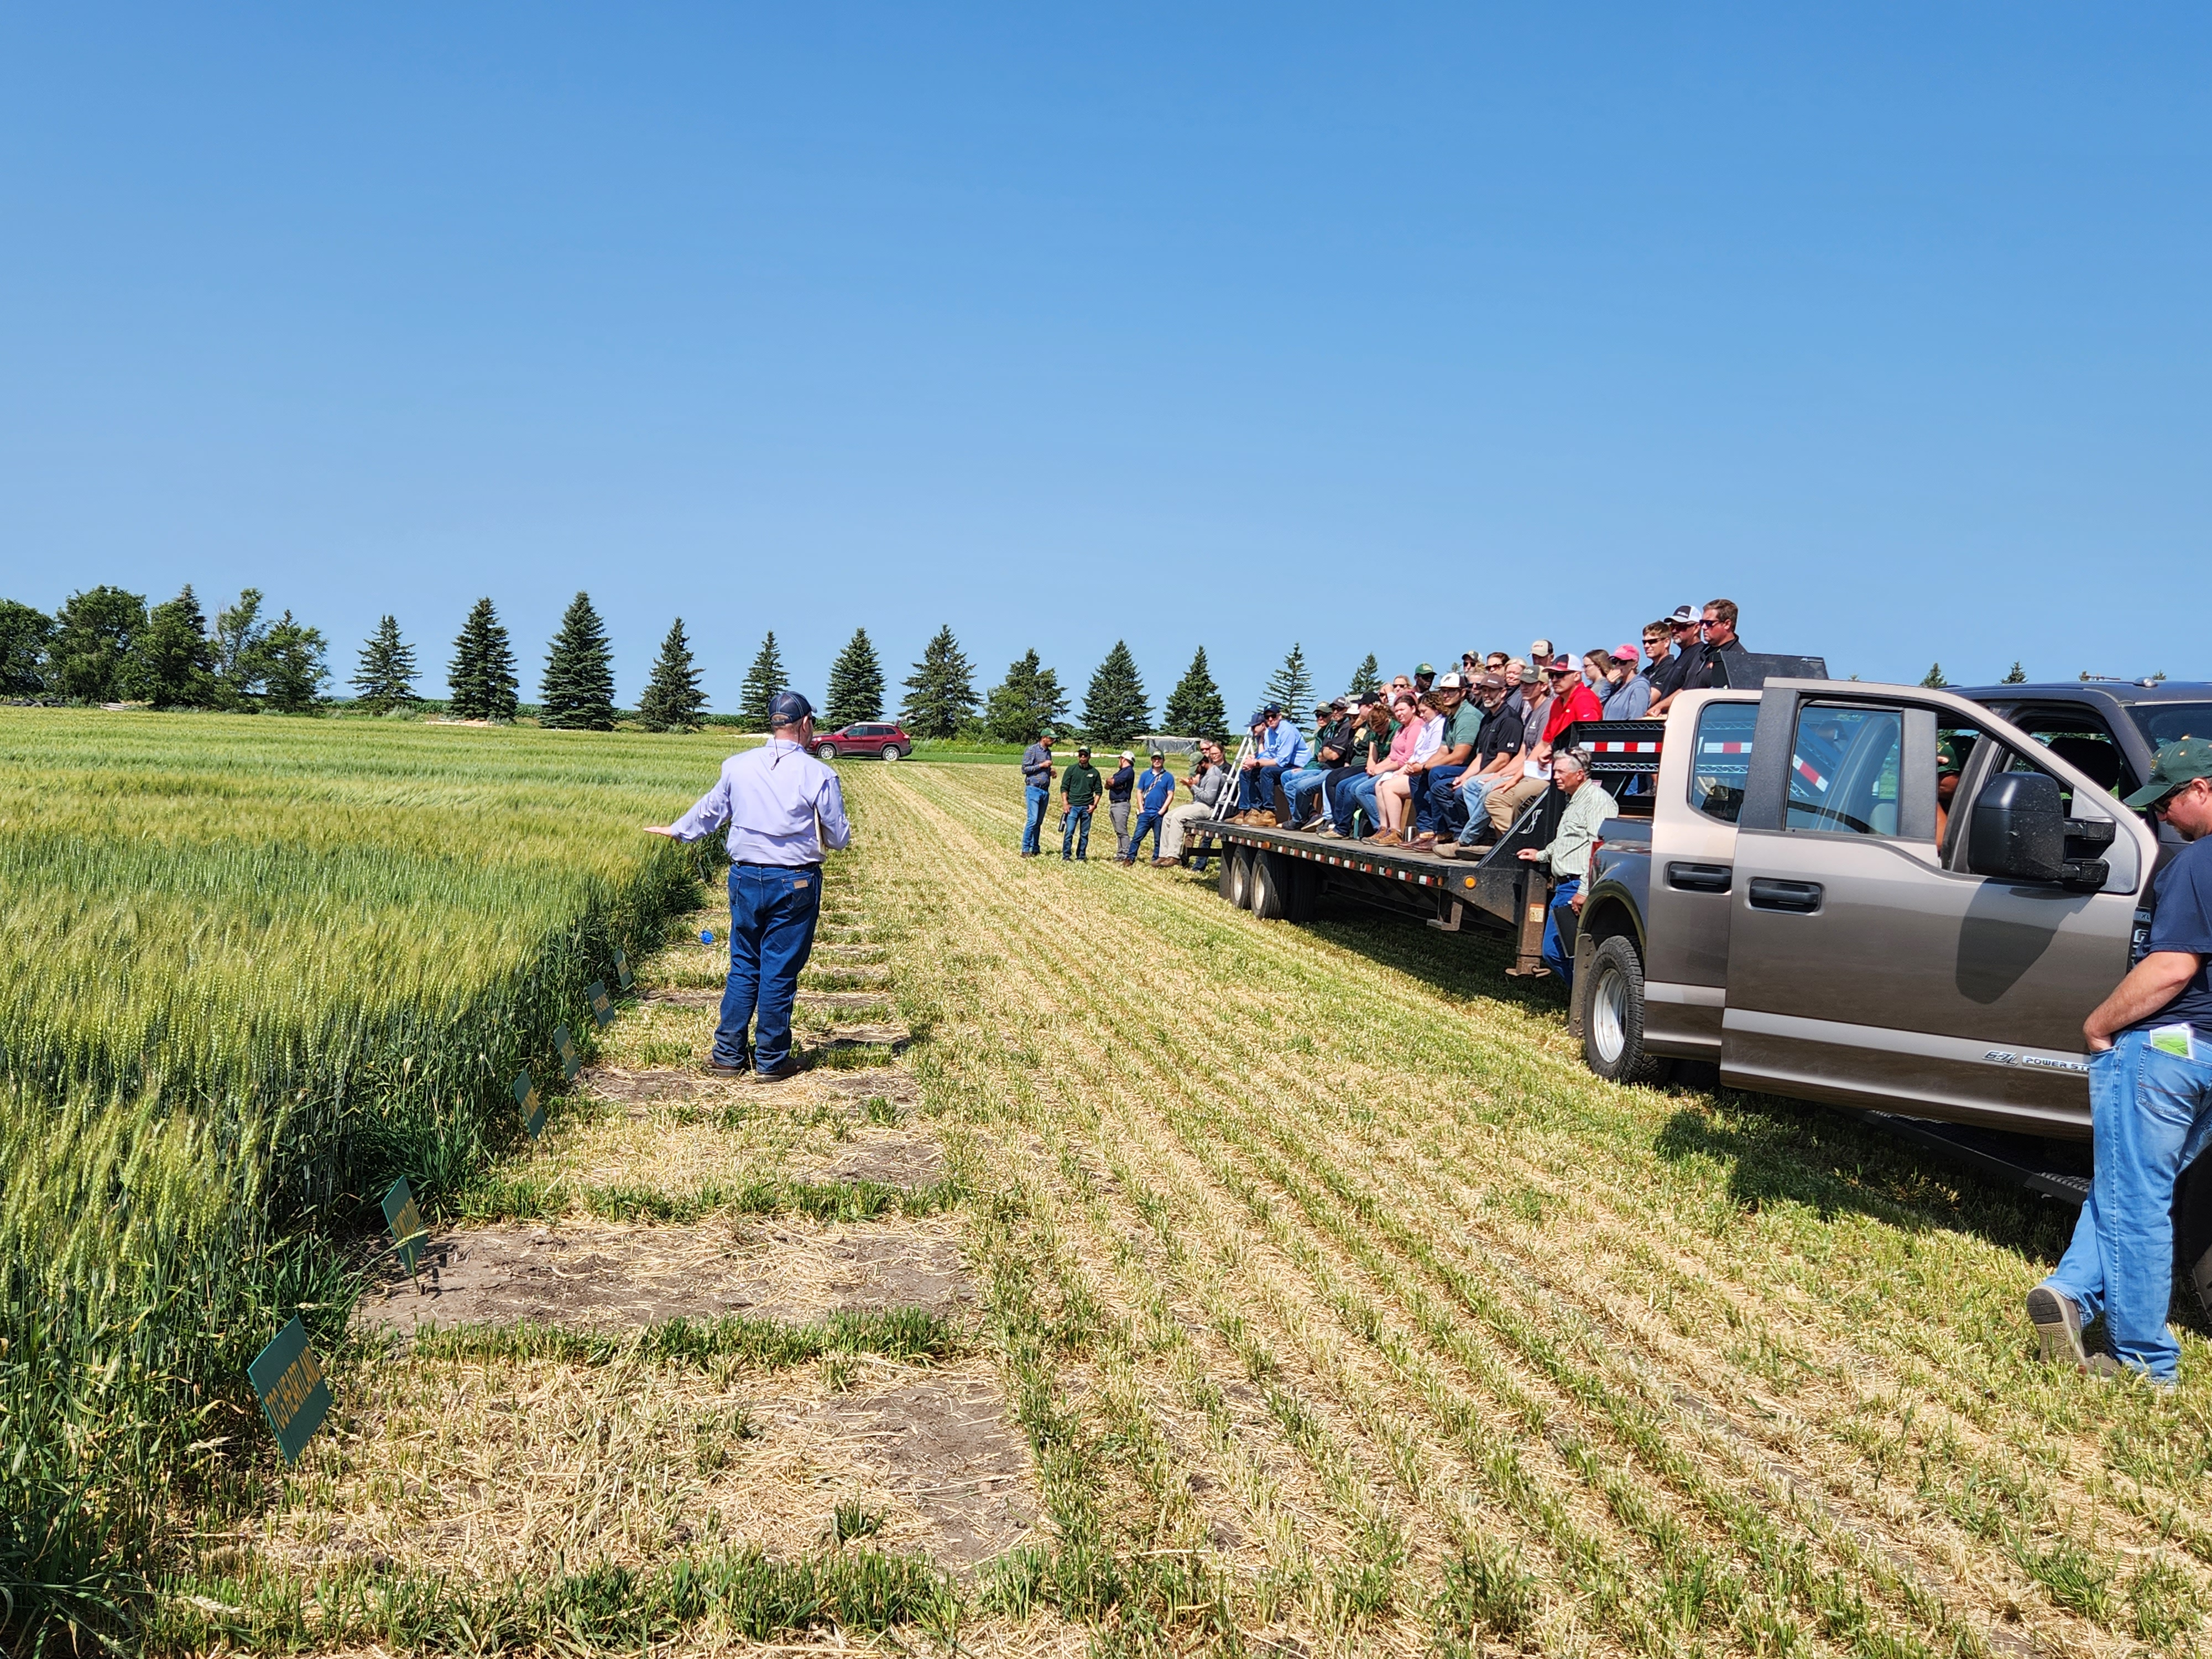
{"x":1608,"y":1011}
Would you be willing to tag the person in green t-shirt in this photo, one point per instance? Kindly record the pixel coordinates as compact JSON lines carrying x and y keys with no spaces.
{"x":1080,"y":786}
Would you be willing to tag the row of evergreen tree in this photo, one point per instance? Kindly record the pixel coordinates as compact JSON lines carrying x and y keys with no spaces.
{"x":105,"y":645}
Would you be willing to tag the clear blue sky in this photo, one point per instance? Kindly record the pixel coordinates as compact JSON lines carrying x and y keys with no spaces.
{"x":1377,"y":329}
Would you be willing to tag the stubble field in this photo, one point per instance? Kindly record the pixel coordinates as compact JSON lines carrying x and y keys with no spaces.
{"x":1126,"y":1273}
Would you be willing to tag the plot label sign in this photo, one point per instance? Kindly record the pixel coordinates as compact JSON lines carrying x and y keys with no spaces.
{"x":293,"y":1393}
{"x":622,"y":968}
{"x":532,"y":1106}
{"x":565,"y":1045}
{"x":405,"y":1221}
{"x":603,"y":1007}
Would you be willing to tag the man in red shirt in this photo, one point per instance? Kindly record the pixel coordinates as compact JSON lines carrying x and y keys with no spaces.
{"x":1569,"y":701}
{"x":1572,"y":700}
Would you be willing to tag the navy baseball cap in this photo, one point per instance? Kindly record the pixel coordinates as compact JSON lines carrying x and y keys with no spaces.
{"x":788,"y":708}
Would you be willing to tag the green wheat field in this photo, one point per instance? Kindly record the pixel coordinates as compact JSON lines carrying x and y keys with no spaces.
{"x":1124,"y":1275}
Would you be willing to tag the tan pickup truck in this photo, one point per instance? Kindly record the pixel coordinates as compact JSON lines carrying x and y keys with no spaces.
{"x":1869,"y":894}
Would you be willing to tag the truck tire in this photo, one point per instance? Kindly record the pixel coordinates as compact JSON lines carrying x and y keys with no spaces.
{"x":1612,"y":1021}
{"x":827,"y":751}
{"x":1236,"y":877}
{"x":1270,"y":887}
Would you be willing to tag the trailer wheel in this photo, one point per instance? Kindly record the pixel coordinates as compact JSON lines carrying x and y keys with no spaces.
{"x":1270,"y":883}
{"x":1613,"y":1020}
{"x":1236,"y":877}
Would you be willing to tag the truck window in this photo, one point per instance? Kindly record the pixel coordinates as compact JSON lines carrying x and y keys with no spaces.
{"x":1722,"y":759}
{"x":1843,"y":771}
{"x":2079,"y":736}
{"x":2169,"y":722}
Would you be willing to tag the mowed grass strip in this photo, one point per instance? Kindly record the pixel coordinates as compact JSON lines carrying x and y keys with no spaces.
{"x":1701,"y":1327}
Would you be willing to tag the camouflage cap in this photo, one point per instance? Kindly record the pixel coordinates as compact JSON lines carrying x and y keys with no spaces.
{"x":2177,"y":764}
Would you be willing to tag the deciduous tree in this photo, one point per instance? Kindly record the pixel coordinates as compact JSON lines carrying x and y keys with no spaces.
{"x":672,"y":700}
{"x":241,"y":657}
{"x":578,"y":690}
{"x":25,"y":634}
{"x":941,"y":691}
{"x":1027,"y":702}
{"x":94,"y":654}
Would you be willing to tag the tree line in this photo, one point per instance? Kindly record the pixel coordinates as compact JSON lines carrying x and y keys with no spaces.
{"x":105,"y":645}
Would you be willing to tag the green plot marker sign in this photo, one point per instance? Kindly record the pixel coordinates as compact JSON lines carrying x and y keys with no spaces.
{"x":603,"y":1007}
{"x":622,"y":968}
{"x":405,"y":1221}
{"x":293,"y":1393}
{"x":565,"y":1045}
{"x":531,"y":1103}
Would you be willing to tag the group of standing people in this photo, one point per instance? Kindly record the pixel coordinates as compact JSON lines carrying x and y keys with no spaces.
{"x":1149,"y":794}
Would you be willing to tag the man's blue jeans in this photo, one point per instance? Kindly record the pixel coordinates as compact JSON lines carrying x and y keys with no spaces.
{"x":773,"y":908}
{"x":1078,"y":816}
{"x":1255,"y":789}
{"x":1436,"y":800}
{"x":1475,"y":819}
{"x":1301,"y":784}
{"x":1358,"y":792}
{"x":2151,"y":1113}
{"x":1040,"y":797}
{"x":1148,"y":823}
{"x":1555,"y":951}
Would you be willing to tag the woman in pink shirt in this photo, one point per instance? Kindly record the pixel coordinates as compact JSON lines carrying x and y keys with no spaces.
{"x":1419,"y":724}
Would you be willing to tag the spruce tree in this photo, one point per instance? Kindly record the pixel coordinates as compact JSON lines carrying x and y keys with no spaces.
{"x":482,"y":674}
{"x":293,"y":667}
{"x":1195,"y":708}
{"x":1291,"y":686}
{"x":1933,"y":679}
{"x":176,"y":658}
{"x":1115,"y":708}
{"x":856,"y":683}
{"x":2017,"y":676}
{"x":672,"y":700}
{"x":1027,"y":702}
{"x":941,"y":691}
{"x":578,"y":690}
{"x":386,"y":678}
{"x":763,"y":681}
{"x":1368,"y":677}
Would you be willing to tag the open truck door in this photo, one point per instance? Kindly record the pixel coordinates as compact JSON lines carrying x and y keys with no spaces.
{"x":1873,"y":961}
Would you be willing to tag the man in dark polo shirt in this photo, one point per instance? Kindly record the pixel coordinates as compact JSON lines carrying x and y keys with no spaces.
{"x":1080,"y":786}
{"x":1497,"y":759}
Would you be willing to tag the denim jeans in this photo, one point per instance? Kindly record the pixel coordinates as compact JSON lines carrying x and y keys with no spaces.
{"x":1555,"y":949}
{"x":2151,"y":1113}
{"x":1358,"y":792}
{"x":1436,"y":802}
{"x":773,"y":908}
{"x":1255,"y":789}
{"x":1148,"y":823}
{"x":1478,"y":816}
{"x":1305,"y":781}
{"x":1078,"y":817}
{"x":1040,"y":797}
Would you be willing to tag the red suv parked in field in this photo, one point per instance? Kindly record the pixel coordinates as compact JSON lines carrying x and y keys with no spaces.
{"x":865,"y":738}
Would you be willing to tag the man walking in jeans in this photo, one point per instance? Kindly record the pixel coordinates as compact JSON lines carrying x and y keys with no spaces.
{"x":780,"y":804}
{"x":1037,"y":780}
{"x":2150,"y":1104}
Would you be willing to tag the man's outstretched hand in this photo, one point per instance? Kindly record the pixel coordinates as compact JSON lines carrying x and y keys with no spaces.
{"x":667,"y":829}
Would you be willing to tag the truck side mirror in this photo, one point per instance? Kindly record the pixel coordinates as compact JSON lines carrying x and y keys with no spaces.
{"x":2019,"y":829}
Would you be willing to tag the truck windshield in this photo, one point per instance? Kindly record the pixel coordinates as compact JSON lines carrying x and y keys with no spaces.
{"x":2170,"y":722}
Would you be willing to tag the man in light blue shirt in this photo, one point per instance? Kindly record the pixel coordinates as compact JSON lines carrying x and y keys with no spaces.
{"x":1277,"y":747}
{"x":781,"y":805}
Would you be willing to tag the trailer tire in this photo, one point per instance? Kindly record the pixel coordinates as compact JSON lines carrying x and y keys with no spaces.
{"x":1236,"y":877}
{"x":1270,"y":887}
{"x":1612,"y":1021}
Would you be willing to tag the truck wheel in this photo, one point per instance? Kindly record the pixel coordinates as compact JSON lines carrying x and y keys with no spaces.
{"x":1612,"y":1021}
{"x":825,"y":752}
{"x":1236,"y":877}
{"x":1270,"y":899}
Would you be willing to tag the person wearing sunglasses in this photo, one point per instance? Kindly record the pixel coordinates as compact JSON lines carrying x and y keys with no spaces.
{"x":2150,"y":1104}
{"x":1719,"y":651}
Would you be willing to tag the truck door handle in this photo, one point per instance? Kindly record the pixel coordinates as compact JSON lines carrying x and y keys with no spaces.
{"x":1799,"y":897}
{"x":1699,"y":877}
